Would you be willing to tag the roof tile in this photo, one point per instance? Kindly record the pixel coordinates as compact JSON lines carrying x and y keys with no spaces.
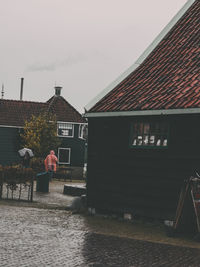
{"x":168,"y":78}
{"x":15,"y":113}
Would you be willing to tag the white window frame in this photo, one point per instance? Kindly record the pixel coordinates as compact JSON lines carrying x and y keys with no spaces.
{"x":64,"y":148}
{"x":81,"y":136}
{"x":65,"y":136}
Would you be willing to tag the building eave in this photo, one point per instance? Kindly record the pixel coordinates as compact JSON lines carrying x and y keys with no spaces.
{"x":143,"y":113}
{"x":144,"y":55}
{"x":72,"y":122}
{"x":11,"y":126}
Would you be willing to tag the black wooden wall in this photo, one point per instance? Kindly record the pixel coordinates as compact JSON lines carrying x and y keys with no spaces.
{"x":147,"y":181}
{"x":77,"y":146}
{"x":9,"y":145}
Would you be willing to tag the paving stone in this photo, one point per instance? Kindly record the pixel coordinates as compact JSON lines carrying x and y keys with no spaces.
{"x":41,"y":237}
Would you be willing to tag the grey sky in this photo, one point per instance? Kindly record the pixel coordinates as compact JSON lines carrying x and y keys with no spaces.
{"x":82,"y":45}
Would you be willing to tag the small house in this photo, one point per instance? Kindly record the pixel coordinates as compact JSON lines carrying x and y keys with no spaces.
{"x":144,"y":129}
{"x":71,"y":128}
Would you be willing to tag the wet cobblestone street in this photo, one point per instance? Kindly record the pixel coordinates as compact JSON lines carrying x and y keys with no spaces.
{"x":43,"y":233}
{"x":41,"y":237}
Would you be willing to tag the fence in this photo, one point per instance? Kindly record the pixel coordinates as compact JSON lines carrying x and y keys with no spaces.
{"x":16,"y":182}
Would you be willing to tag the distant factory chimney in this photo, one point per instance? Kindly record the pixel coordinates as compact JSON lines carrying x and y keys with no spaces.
{"x":58,"y":90}
{"x":21,"y":91}
{"x":2,"y":91}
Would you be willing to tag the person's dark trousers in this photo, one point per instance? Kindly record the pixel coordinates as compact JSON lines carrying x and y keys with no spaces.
{"x":50,"y":175}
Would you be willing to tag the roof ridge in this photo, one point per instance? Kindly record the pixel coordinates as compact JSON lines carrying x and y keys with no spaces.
{"x":22,"y":101}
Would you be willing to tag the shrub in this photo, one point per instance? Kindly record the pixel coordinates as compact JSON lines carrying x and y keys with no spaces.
{"x":37,"y":164}
{"x":16,"y":174}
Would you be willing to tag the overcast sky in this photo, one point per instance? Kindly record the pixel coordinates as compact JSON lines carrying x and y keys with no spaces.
{"x":81,"y":45}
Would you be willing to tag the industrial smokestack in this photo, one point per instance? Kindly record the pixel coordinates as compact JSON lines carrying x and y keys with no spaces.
{"x":21,"y":91}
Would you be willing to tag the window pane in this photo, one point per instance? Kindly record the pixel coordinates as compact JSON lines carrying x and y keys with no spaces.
{"x":150,"y":134}
{"x":146,"y":128}
{"x":134,"y":141}
{"x":164,"y":128}
{"x":158,"y":141}
{"x":139,"y":140}
{"x":157,"y":128}
{"x":83,"y":131}
{"x":65,"y":129}
{"x":64,"y":155}
{"x":145,"y":140}
{"x":136,"y":132}
{"x":153,"y":128}
{"x":165,"y":142}
{"x":152,"y":140}
{"x":136,"y":128}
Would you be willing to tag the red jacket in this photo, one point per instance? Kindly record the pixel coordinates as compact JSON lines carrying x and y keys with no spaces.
{"x":50,"y":162}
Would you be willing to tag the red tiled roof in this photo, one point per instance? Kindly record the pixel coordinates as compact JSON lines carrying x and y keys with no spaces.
{"x":169,"y":78}
{"x":14,"y":112}
{"x":63,"y":110}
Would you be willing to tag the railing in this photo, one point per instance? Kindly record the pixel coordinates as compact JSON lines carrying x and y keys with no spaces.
{"x":64,"y":173}
{"x":16,"y":183}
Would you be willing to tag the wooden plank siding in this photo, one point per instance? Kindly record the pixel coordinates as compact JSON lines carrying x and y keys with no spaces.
{"x":77,"y":146}
{"x":9,"y":144}
{"x":141,"y":181}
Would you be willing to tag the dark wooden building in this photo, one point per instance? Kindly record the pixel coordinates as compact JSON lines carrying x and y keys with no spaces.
{"x":144,"y":129}
{"x":71,"y":129}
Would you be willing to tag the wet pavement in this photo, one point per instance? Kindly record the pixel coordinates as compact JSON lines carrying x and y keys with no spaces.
{"x":54,"y":199}
{"x":31,"y":236}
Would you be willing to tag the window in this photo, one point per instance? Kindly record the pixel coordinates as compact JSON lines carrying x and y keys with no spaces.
{"x":83,"y":131}
{"x":64,"y":155}
{"x":146,"y":134}
{"x":65,"y":129}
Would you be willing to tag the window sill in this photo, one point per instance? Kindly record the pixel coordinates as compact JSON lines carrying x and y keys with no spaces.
{"x":149,"y":147}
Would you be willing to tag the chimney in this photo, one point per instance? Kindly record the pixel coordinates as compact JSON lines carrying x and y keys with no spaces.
{"x":21,"y":92}
{"x":2,"y":91}
{"x":58,"y":90}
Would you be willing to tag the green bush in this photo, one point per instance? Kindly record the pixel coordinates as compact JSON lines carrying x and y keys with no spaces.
{"x":37,"y":164}
{"x":16,"y":174}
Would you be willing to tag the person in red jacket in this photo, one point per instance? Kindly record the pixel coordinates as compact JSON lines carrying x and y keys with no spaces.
{"x":50,"y":163}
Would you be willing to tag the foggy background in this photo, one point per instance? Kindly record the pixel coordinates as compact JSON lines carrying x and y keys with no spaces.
{"x":80,"y":45}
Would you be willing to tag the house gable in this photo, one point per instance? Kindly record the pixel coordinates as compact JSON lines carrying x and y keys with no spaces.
{"x":63,"y":110}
